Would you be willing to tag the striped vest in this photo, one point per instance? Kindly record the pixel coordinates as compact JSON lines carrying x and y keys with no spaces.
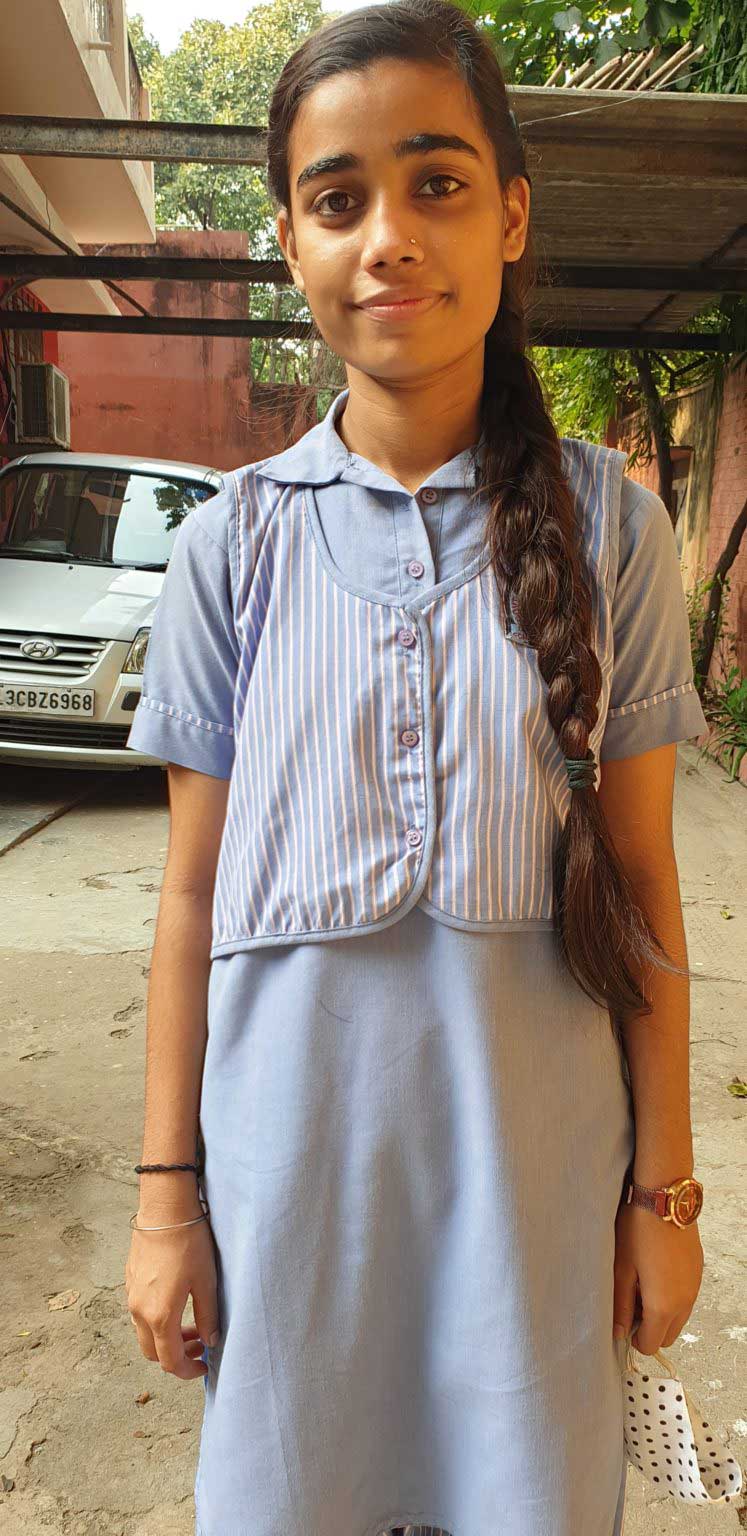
{"x":390,"y":754}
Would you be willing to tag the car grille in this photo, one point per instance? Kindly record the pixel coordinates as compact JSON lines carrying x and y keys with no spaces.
{"x":76,"y":656}
{"x":32,"y":730}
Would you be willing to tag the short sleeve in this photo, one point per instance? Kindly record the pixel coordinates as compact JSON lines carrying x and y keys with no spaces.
{"x":653,"y":699}
{"x":185,"y":714}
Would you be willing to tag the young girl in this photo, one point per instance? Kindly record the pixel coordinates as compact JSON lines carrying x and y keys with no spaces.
{"x":419,"y":978}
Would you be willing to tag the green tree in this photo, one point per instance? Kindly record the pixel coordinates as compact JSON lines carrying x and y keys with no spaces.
{"x":532,"y":40}
{"x":147,"y":51}
{"x":226,"y":74}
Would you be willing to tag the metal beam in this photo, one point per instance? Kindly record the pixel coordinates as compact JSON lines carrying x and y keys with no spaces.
{"x":613,"y":152}
{"x":217,"y":269}
{"x":197,"y":269}
{"x":682,"y":121}
{"x":297,"y":330}
{"x":132,"y":139}
{"x":157,"y":325}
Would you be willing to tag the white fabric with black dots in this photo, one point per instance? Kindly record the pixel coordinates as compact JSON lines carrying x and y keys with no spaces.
{"x":672,"y":1445}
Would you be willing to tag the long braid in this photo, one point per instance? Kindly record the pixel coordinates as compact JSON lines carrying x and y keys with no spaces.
{"x":535,"y":555}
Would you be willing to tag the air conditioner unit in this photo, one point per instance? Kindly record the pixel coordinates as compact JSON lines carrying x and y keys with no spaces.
{"x":43,"y":405}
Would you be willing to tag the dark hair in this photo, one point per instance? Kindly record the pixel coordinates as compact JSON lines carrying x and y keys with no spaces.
{"x":532,"y":532}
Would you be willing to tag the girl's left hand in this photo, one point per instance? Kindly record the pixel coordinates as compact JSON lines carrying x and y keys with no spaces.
{"x":665,"y":1264}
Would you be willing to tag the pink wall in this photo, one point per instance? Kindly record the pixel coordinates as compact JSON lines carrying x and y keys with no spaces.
{"x":727,"y":495}
{"x":174,"y":397}
{"x":727,"y":499}
{"x":721,"y":506}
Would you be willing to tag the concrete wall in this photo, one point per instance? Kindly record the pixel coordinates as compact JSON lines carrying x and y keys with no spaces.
{"x":178,"y":397}
{"x":54,"y":62}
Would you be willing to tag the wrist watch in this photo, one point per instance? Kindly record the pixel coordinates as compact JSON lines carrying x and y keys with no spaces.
{"x":680,"y":1202}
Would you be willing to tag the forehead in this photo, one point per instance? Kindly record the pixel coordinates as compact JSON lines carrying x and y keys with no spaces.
{"x":365,"y":111}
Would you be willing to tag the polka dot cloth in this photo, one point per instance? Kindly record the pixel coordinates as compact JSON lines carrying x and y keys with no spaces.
{"x":669,"y":1441}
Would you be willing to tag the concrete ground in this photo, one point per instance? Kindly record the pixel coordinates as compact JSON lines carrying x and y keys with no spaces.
{"x":81,"y":1452}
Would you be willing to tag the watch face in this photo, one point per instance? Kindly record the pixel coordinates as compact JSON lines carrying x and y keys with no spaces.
{"x":687,"y":1202}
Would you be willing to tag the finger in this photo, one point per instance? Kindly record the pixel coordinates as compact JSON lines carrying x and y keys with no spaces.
{"x":145,"y":1339}
{"x":172,"y":1354}
{"x":206,"y":1317}
{"x":195,"y":1335}
{"x":193,"y":1343}
{"x":194,"y":1348}
{"x":648,"y":1337}
{"x":673,"y":1332}
{"x":623,"y":1305}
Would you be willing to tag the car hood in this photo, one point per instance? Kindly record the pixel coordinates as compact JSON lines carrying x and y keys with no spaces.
{"x":95,"y":601}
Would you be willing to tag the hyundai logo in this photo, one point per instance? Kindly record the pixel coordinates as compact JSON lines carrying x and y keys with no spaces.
{"x":39,"y":649}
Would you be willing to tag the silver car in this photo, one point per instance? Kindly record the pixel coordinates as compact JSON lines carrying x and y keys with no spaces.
{"x":84,"y":543}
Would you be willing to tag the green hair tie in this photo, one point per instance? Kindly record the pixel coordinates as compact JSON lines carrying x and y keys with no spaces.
{"x":581,"y":770}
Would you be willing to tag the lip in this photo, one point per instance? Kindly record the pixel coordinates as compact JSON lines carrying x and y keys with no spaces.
{"x":400,"y":307}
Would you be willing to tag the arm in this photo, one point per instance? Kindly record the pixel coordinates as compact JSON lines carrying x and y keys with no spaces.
{"x":636,"y":795}
{"x":176,"y":1029}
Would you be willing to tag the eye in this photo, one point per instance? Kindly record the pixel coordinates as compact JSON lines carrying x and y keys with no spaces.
{"x":339,"y":212}
{"x":316,"y":207}
{"x":442,"y":177}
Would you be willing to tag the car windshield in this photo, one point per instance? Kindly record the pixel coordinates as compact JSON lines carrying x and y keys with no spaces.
{"x":94,"y":515}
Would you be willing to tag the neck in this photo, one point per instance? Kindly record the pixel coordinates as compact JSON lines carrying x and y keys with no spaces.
{"x":409,"y":430}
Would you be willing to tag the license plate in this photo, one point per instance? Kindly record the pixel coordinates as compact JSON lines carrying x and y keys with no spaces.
{"x":25,"y":700}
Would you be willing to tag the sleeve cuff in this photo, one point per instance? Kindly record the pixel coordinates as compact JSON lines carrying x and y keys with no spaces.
{"x":162,"y":730}
{"x":676,"y":714}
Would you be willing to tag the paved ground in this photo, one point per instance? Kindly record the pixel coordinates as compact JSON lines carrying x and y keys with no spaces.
{"x":79,"y":881}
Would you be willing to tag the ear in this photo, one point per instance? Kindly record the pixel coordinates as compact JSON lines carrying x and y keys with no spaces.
{"x":516,"y":221}
{"x":287,"y":242}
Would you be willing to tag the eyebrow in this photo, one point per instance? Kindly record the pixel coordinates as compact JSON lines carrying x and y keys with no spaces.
{"x":415,"y":144}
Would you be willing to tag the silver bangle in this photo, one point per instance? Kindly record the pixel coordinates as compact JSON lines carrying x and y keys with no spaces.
{"x":170,"y":1225}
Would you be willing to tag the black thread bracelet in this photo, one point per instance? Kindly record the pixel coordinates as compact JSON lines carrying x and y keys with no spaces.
{"x":165,"y":1167}
{"x":197,"y":1168}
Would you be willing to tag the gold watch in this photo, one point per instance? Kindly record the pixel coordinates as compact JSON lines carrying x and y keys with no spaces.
{"x":680,"y":1202}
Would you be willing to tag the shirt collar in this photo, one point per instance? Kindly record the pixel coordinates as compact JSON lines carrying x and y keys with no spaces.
{"x":320,"y":457}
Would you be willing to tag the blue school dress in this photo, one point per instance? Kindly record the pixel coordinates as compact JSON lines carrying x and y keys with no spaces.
{"x":416,"y":1124}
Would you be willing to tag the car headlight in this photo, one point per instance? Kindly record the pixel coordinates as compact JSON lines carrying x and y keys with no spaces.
{"x":136,"y":655}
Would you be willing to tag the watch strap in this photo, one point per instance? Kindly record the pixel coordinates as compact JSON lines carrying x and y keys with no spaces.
{"x":669,"y":1201}
{"x":651,"y":1199}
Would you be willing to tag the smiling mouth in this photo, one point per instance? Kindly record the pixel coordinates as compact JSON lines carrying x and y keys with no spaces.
{"x":402,"y":308}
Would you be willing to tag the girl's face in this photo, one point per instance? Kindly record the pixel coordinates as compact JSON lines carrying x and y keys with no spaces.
{"x":360,"y":195}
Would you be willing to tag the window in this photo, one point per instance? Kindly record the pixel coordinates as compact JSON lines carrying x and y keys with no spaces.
{"x":100,"y":515}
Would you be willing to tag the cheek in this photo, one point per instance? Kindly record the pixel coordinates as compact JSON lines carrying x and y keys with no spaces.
{"x":474,"y":247}
{"x":330,"y":281}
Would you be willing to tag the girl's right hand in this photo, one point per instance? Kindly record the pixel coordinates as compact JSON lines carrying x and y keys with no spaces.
{"x":162,"y":1270}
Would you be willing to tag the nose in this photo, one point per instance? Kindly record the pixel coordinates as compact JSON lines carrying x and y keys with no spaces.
{"x":388,"y":233}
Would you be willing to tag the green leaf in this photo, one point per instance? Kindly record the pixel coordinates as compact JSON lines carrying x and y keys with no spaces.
{"x":565,"y":21}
